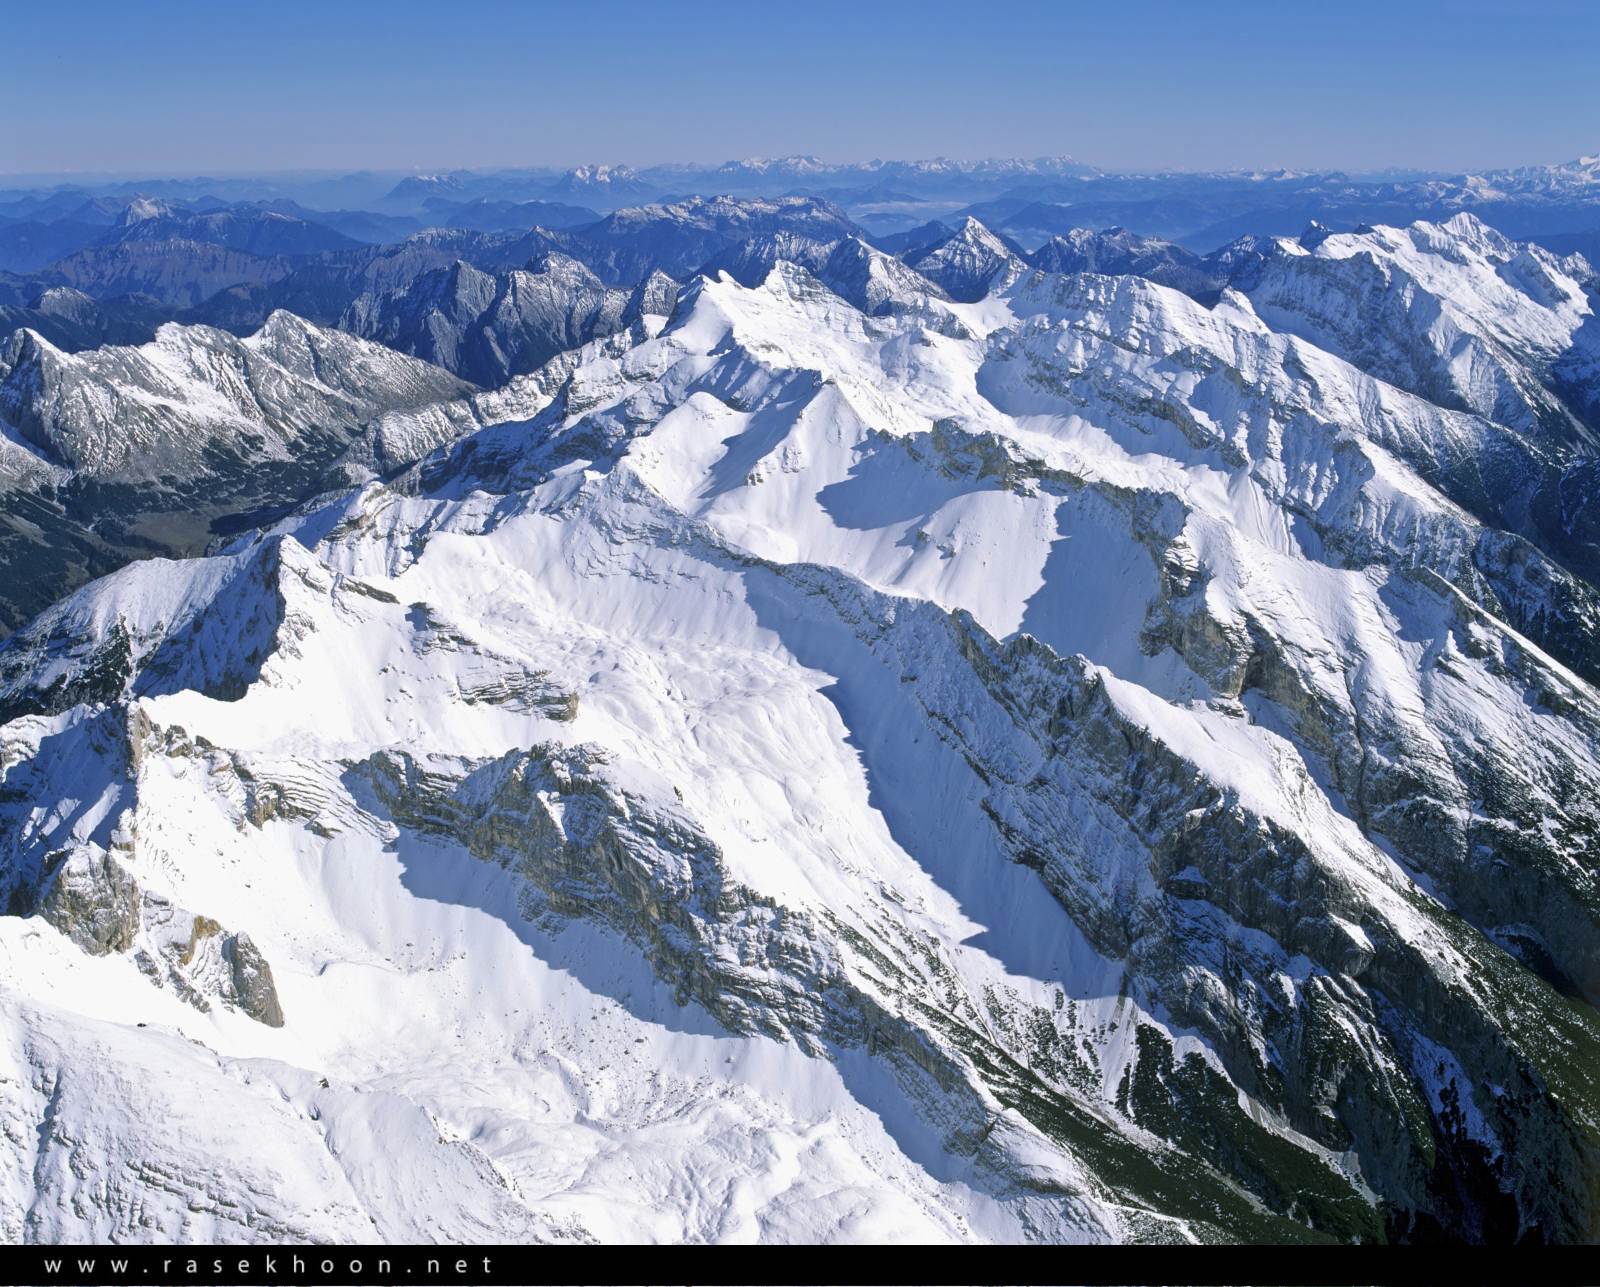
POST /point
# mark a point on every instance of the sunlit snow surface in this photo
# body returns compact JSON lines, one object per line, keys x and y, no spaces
{"x":739,"y":545}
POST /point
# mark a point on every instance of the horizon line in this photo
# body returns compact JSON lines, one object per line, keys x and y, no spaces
{"x":421,"y":171}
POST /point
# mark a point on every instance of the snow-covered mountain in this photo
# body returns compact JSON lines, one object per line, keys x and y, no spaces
{"x":1469,"y":319}
{"x":118,"y":453}
{"x":969,"y":262}
{"x":1040,"y":764}
{"x":607,"y":186}
{"x":872,"y":280}
{"x":1116,"y":252}
{"x":1564,"y":180}
{"x":1454,"y":311}
{"x":161,"y":410}
{"x":489,"y":327}
{"x":875,"y":282}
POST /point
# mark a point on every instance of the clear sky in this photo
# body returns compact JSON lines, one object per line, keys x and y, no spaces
{"x":170,"y":86}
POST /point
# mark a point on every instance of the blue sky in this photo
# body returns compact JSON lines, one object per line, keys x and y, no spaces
{"x":179,"y":87}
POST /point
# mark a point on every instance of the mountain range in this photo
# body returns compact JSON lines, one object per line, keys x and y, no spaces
{"x":123,"y":453}
{"x":719,"y":723}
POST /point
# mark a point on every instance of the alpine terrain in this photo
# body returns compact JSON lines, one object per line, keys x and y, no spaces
{"x":711,"y":725}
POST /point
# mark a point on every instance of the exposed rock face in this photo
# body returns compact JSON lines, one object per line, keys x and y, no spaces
{"x":79,"y":881}
{"x":253,"y":991}
{"x":205,"y":963}
{"x":655,"y":296}
{"x":876,"y":283}
{"x":550,"y":815}
{"x":487,"y":328}
{"x":93,"y":901}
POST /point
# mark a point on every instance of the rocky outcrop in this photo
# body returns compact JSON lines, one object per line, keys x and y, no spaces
{"x":251,"y":976}
{"x":91,"y":899}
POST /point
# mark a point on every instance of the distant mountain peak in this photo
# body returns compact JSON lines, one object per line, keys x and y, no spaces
{"x":601,"y":174}
{"x":1314,"y":235}
{"x":967,"y":263}
{"x":142,"y":208}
